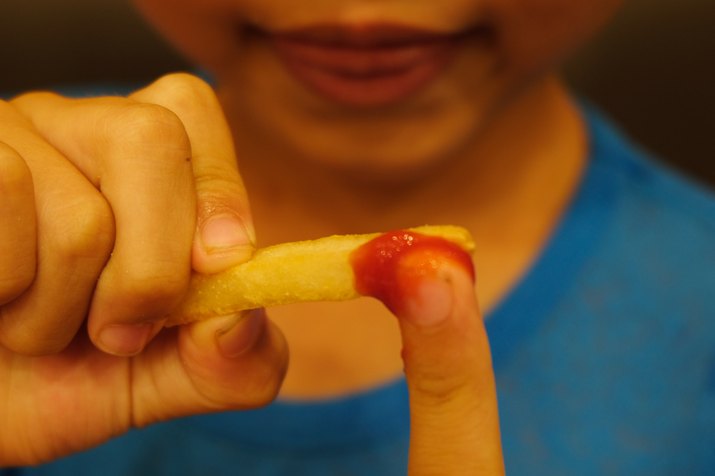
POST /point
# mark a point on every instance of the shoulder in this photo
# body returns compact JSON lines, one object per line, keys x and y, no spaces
{"x":606,"y":349}
{"x":657,"y":244}
{"x":651,"y":192}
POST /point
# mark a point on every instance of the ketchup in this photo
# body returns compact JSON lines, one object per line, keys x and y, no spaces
{"x":390,"y":266}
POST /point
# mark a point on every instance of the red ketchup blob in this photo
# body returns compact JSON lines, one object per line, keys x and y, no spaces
{"x":391,"y":266}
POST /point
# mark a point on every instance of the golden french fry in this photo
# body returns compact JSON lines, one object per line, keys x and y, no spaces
{"x":314,"y":270}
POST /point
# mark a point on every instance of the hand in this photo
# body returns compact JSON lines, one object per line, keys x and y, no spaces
{"x":106,"y":206}
{"x":453,"y":404}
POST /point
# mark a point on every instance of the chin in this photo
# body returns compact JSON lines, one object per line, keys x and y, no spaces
{"x":393,"y":162}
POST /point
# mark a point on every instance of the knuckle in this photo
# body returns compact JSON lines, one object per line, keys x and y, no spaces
{"x":28,"y":99}
{"x":439,"y":388}
{"x":14,"y":282}
{"x":145,"y":127}
{"x":184,"y":90}
{"x":85,"y":228}
{"x":14,"y":172}
{"x":21,"y":342}
{"x":35,"y":347}
{"x":30,"y":341}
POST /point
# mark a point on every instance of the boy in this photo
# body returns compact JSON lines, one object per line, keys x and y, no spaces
{"x":353,"y":116}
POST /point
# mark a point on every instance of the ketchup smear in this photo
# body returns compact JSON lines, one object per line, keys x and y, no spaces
{"x":391,"y":266}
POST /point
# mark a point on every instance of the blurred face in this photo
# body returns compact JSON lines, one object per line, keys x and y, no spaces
{"x":378,"y":87}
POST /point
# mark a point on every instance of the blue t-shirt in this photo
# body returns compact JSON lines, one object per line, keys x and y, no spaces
{"x":604,"y":355}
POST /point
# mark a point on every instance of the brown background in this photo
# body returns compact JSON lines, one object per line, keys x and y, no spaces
{"x":653,"y":69}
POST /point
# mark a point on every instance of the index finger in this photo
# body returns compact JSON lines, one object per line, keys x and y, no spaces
{"x":453,"y":403}
{"x":224,"y":231}
{"x":454,"y":427}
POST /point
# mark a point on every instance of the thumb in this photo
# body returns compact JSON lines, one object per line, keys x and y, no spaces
{"x":224,"y":363}
{"x":453,"y":405}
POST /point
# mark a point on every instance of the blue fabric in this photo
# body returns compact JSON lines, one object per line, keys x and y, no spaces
{"x":604,"y":354}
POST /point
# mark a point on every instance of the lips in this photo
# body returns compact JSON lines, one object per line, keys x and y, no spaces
{"x":365,"y":66}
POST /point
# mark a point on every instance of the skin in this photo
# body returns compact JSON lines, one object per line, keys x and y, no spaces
{"x":107,"y":205}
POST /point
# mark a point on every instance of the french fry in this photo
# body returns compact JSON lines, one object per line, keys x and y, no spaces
{"x":314,"y":270}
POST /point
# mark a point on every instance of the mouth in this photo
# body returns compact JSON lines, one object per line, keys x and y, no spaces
{"x":367,"y":65}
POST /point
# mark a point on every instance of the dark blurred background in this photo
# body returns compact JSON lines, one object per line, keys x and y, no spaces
{"x":652,"y":70}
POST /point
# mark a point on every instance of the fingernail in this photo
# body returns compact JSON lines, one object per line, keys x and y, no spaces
{"x":431,"y":302}
{"x":225,"y":232}
{"x":125,"y":340}
{"x":241,"y":334}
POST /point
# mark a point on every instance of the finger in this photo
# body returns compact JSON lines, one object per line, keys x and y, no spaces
{"x":138,"y":155}
{"x":232,"y":362}
{"x":74,"y":238}
{"x":18,"y":226}
{"x":224,"y":233}
{"x":453,"y":406}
